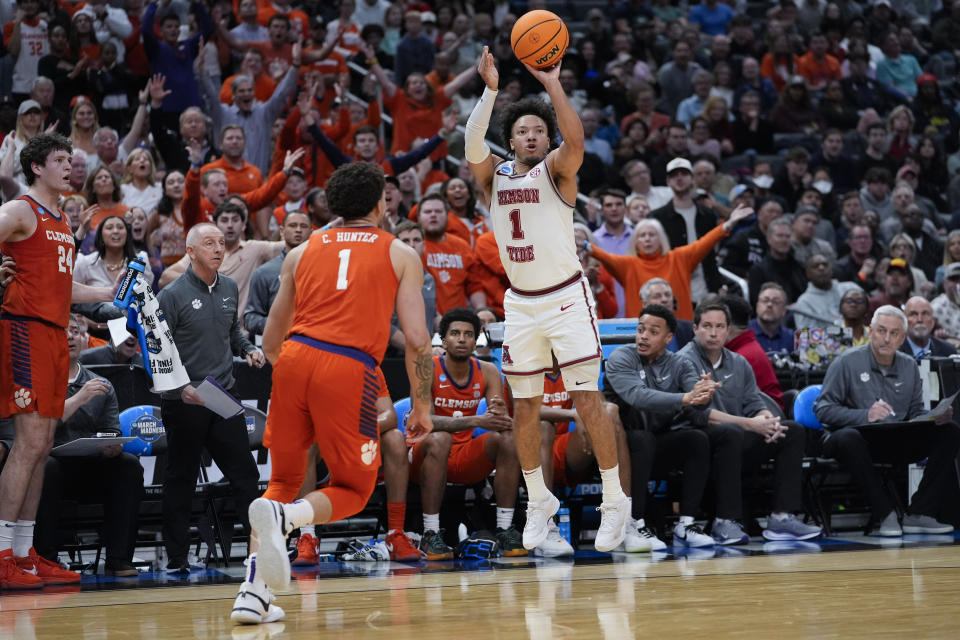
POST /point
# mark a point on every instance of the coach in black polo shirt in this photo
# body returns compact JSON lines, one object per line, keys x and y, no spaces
{"x":201,"y":310}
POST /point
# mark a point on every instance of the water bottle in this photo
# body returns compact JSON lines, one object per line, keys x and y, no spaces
{"x":125,"y":292}
{"x":564,"y":524}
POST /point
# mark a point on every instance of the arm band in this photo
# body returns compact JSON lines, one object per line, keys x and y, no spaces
{"x":475,"y":147}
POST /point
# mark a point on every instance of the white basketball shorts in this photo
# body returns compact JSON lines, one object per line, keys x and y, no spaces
{"x":556,"y":327}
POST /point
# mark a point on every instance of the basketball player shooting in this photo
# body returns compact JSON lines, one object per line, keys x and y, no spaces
{"x":550,"y":318}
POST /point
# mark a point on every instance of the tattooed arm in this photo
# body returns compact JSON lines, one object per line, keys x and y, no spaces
{"x":410,"y":313}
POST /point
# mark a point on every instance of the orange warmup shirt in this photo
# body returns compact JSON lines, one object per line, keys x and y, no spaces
{"x":452,"y":265}
{"x":420,"y":120}
{"x":246,"y":178}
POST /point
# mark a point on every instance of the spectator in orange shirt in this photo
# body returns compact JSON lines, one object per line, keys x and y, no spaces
{"x":462,"y":202}
{"x":779,"y":64}
{"x":490,"y":271}
{"x":202,"y":194}
{"x":816,"y":65}
{"x":251,"y":66}
{"x":103,"y":188}
{"x":417,"y":105}
{"x":241,"y":175}
{"x":652,"y":258}
{"x":299,"y":22}
{"x":344,"y":32}
{"x":449,"y":260}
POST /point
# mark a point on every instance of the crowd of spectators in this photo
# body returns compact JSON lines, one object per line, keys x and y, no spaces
{"x":837,"y":121}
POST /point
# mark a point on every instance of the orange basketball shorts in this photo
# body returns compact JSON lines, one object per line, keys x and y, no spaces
{"x":327,"y":394}
{"x":34,"y":367}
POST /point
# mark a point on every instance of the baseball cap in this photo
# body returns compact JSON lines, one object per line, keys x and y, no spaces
{"x":904,"y":170}
{"x":428,"y":16}
{"x":739,"y":190}
{"x":806,"y":209}
{"x":392,"y":180}
{"x":28,"y":105}
{"x":900,"y":263}
{"x":679,"y":163}
{"x":926,"y":77}
{"x":952,"y":270}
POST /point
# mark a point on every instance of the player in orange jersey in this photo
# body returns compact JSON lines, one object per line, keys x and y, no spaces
{"x":451,"y":452}
{"x":396,"y":470}
{"x":326,"y":333}
{"x":34,"y":357}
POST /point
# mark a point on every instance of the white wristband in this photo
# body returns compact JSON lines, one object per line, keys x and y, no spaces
{"x":475,"y":147}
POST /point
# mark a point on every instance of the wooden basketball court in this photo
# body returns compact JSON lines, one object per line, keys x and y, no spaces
{"x":820,"y":590}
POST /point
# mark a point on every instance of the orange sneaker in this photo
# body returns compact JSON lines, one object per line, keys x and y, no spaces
{"x":48,"y":571}
{"x":13,"y":577}
{"x":402,"y":549}
{"x":307,"y":551}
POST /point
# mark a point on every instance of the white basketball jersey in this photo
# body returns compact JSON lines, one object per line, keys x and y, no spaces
{"x":33,"y":46}
{"x":533,"y":225}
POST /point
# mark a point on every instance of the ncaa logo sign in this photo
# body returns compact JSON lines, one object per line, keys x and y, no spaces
{"x":147,"y":428}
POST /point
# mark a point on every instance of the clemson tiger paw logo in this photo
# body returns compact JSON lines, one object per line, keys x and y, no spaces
{"x":22,"y":398}
{"x":368,"y":452}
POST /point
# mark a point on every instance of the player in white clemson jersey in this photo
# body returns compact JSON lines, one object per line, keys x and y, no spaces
{"x":549,"y":308}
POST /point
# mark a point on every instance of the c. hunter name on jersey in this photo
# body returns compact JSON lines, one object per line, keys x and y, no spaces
{"x":353,"y":236}
{"x":445,"y":260}
{"x":451,"y":403}
{"x":518,"y":196}
{"x":521,"y":254}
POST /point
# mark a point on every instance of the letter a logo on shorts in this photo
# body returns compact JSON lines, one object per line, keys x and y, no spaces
{"x":368,"y":452}
{"x":506,"y":355}
{"x":22,"y":398}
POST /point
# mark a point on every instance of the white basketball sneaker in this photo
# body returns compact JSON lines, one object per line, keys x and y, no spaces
{"x":253,"y":605}
{"x":539,"y":515}
{"x":270,"y":524}
{"x":642,"y":539}
{"x":614,"y":517}
{"x":554,"y":545}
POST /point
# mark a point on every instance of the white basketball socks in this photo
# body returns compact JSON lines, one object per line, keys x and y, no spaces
{"x":431,"y":522}
{"x":536,"y":489}
{"x":298,"y":513}
{"x":504,"y":518}
{"x":23,"y":538}
{"x":612,"y":492}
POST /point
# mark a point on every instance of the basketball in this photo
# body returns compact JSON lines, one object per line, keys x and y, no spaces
{"x":539,"y":38}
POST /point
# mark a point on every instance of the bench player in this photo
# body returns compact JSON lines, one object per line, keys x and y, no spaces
{"x":327,"y":330}
{"x":451,"y":452}
{"x":550,"y":318}
{"x":34,"y":357}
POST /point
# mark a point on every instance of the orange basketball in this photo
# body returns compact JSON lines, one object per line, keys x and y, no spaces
{"x":539,"y":38}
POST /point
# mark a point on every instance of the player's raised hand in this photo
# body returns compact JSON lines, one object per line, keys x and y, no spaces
{"x":545,"y":76}
{"x":488,"y":69}
{"x":419,"y":426}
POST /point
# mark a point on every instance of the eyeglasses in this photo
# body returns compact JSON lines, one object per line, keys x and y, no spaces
{"x":774,"y":301}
